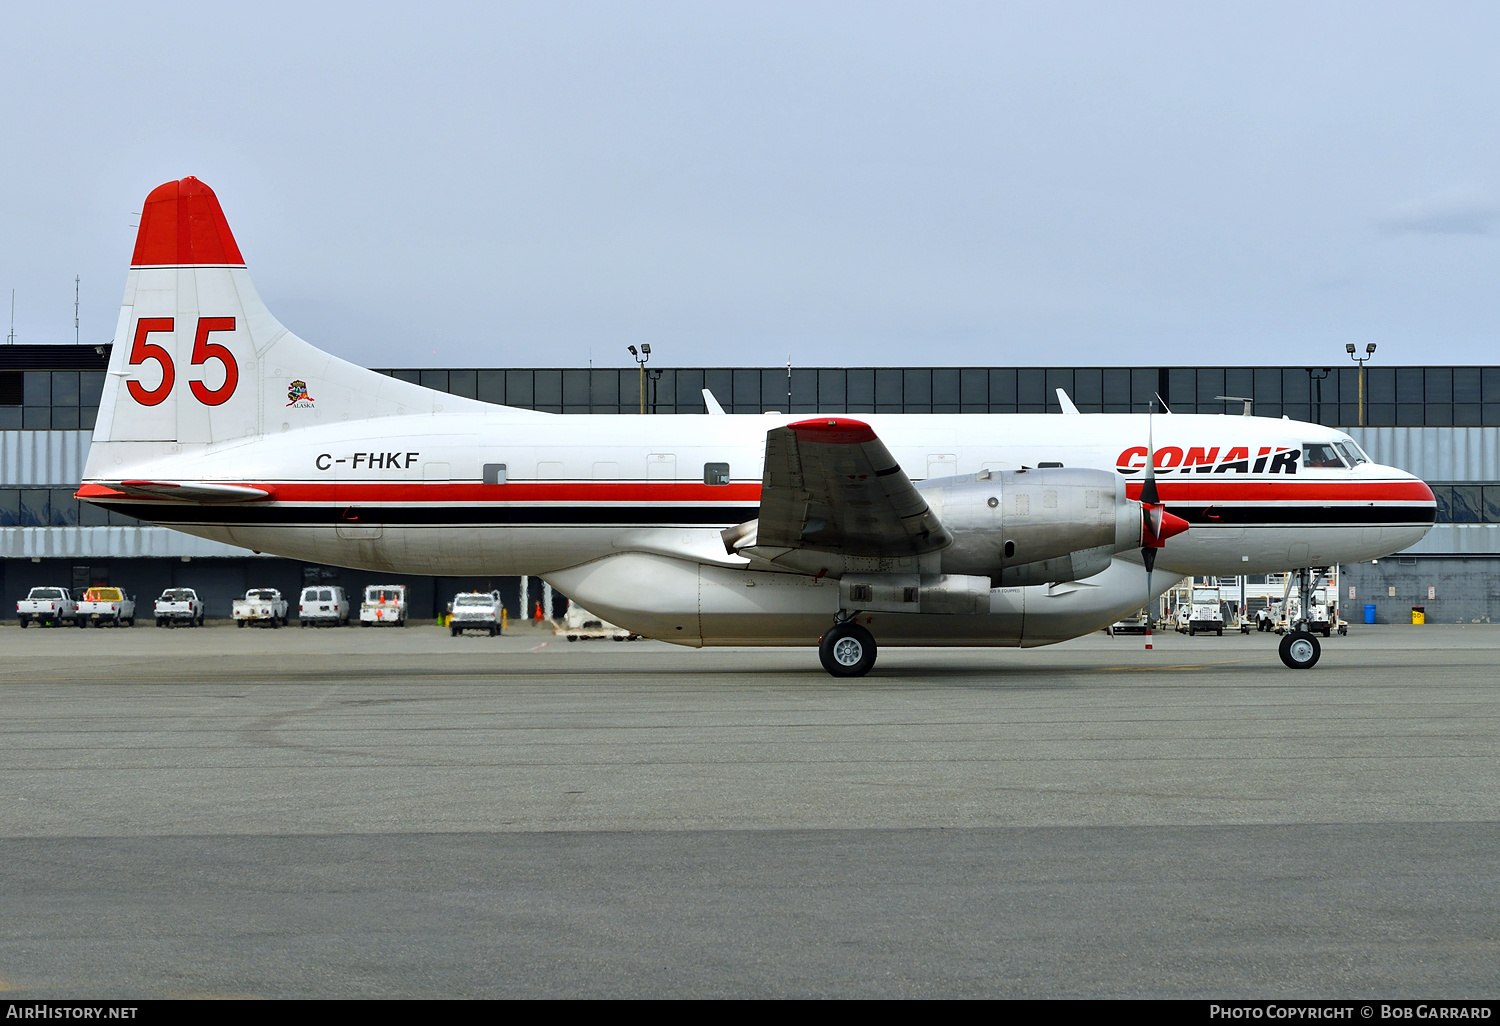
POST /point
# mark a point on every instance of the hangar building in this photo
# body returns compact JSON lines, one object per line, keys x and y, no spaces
{"x":1441,"y":423}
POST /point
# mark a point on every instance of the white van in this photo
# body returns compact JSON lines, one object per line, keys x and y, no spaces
{"x":325,"y":604}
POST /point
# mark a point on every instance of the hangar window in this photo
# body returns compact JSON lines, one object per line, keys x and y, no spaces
{"x":716,"y":473}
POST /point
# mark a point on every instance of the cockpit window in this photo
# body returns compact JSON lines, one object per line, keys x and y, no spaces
{"x":1320,"y":455}
{"x":1351,"y":453}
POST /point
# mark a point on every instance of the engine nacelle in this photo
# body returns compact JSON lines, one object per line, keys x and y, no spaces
{"x":1022,"y":527}
{"x":915,"y":593}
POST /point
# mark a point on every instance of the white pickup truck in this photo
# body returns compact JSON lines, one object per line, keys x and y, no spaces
{"x":100,"y":606}
{"x":49,"y":607}
{"x":261,"y":605}
{"x":179,"y":605}
{"x":384,"y":605}
{"x":476,"y":611}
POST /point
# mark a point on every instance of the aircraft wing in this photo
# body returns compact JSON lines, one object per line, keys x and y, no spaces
{"x":831,"y":485}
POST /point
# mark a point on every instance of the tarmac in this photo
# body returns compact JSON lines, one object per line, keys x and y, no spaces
{"x":400,"y":813}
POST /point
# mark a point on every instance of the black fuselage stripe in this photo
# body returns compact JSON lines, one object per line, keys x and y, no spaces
{"x":1293,"y":516}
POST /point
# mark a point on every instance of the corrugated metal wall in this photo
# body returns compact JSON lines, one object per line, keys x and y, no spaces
{"x":33,"y":458}
{"x":42,"y":457}
{"x":107,"y":543}
{"x":1459,"y":539}
{"x":1448,"y":454}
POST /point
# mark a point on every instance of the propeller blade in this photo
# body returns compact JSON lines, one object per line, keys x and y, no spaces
{"x":1148,"y":484}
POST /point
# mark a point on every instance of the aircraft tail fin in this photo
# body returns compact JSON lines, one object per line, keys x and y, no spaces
{"x":198,"y":360}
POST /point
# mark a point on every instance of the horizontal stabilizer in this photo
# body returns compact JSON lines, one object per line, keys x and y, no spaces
{"x":189,"y":491}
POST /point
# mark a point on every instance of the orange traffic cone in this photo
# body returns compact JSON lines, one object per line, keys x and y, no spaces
{"x":539,"y":615}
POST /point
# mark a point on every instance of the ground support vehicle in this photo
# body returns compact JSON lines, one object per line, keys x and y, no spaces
{"x":476,"y":611}
{"x":262,"y":606}
{"x":384,"y":606}
{"x":1319,"y":620}
{"x":101,"y":606}
{"x":581,"y":625}
{"x":179,"y":605}
{"x":1137,"y":624}
{"x":47,"y":607}
{"x":1206,"y":613}
{"x":323,"y":604}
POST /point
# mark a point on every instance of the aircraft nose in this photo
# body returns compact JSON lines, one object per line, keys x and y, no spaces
{"x":1407,"y":486}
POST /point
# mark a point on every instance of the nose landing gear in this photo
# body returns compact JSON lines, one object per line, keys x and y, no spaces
{"x":1299,"y":649}
{"x":847,"y":650}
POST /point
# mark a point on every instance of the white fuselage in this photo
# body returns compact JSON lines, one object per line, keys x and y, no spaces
{"x":615,"y":511}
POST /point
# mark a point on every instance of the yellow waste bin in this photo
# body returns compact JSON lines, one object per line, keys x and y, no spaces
{"x":1418,"y":614}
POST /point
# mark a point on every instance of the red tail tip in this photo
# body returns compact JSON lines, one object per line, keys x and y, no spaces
{"x":182,"y":224}
{"x":839,"y":430}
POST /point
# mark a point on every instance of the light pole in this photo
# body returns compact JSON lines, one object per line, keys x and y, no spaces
{"x":1361,"y":360}
{"x":1317,"y":379}
{"x":641,"y":358}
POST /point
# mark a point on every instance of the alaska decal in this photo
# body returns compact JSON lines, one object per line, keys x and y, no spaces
{"x":1233,"y":459}
{"x":297,"y":393}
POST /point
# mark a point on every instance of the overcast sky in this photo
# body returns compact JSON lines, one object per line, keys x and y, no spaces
{"x":543,"y":184}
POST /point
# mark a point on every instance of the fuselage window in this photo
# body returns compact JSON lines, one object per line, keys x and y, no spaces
{"x":716,"y":473}
{"x":494,"y":473}
{"x":1318,"y":455}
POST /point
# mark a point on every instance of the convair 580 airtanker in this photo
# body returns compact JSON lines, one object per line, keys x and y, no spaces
{"x":827,"y":531}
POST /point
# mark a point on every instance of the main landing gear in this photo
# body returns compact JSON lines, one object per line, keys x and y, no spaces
{"x":847,"y":650}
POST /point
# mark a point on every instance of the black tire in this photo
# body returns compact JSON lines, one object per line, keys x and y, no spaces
{"x":848,"y":650}
{"x":239,"y":623}
{"x":1192,"y":632}
{"x":1221,"y":632}
{"x":1327,"y":632}
{"x":1300,"y":650}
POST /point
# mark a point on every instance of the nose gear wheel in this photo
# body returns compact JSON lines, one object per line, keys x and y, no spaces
{"x":1300,"y":650}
